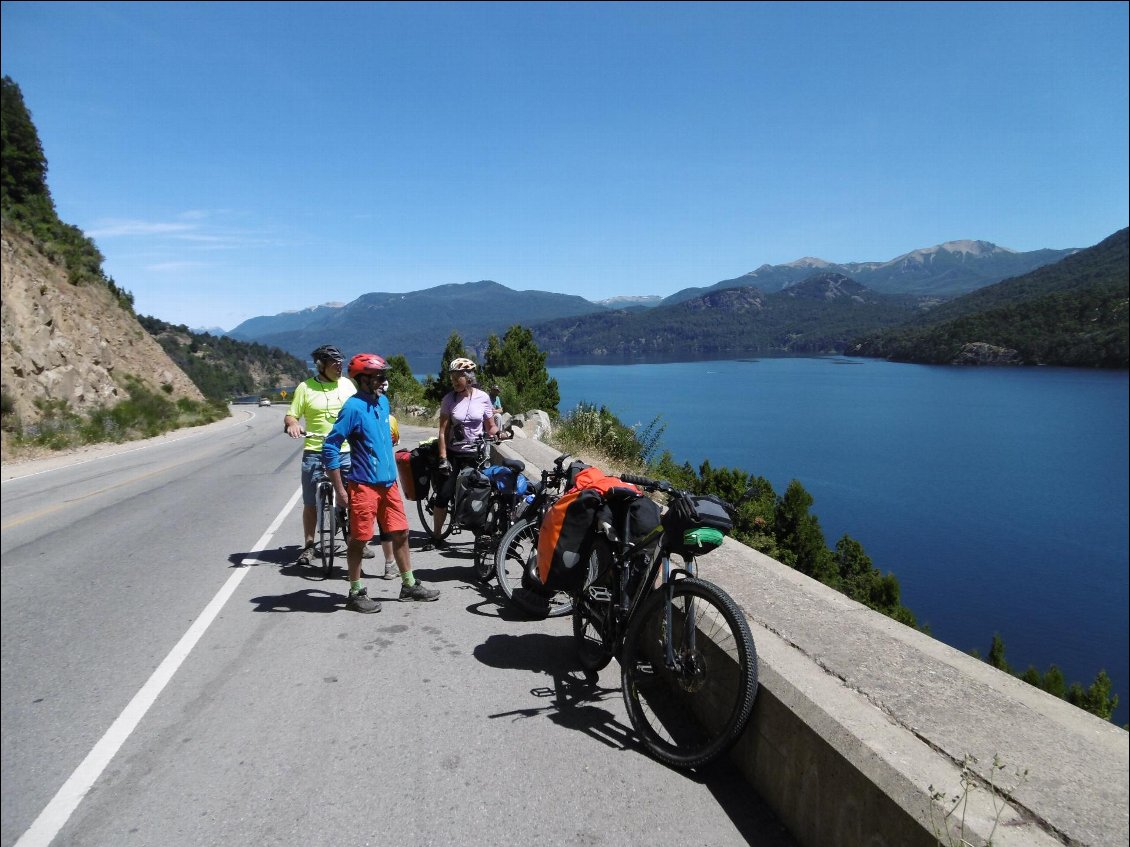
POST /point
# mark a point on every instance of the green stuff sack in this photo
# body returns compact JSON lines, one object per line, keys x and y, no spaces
{"x":701,"y":540}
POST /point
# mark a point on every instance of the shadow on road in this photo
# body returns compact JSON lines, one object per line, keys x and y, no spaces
{"x":306,"y":600}
{"x":572,"y":702}
{"x":278,"y":556}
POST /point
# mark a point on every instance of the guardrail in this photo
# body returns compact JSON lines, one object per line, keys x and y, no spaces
{"x":865,"y":730}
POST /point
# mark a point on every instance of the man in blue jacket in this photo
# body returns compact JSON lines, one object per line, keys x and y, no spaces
{"x":373,"y":491}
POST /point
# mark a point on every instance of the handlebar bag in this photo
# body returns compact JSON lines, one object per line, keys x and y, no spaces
{"x":472,"y":498}
{"x":688,"y":518}
{"x":565,"y":540}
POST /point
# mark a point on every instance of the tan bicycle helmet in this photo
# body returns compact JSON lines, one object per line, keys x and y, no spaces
{"x":461,"y":365}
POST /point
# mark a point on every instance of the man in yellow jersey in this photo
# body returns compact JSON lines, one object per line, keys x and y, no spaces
{"x":319,"y":400}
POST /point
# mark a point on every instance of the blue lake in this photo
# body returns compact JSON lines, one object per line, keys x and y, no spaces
{"x":998,"y":496}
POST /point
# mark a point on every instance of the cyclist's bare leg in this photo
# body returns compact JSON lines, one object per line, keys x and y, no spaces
{"x":353,"y":554}
{"x":438,"y":517}
{"x":309,"y":524}
{"x":400,"y":552}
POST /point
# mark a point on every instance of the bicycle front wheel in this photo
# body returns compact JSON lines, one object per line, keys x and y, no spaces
{"x":515,"y":550}
{"x":689,"y":703}
{"x":426,"y":509}
{"x":327,"y":534}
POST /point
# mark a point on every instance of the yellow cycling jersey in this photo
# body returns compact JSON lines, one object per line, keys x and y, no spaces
{"x":319,"y":403}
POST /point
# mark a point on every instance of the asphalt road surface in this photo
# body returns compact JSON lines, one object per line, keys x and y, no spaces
{"x":171,"y":678}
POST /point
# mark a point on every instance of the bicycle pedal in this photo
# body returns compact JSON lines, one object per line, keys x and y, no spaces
{"x":599,"y":594}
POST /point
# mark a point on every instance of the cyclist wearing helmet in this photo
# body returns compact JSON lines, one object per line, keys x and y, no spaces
{"x":373,"y":491}
{"x":318,"y":400}
{"x":464,"y":414}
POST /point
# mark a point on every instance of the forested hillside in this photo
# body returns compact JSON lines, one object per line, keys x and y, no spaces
{"x":1072,"y":313}
{"x":224,"y":367}
{"x":820,"y":315}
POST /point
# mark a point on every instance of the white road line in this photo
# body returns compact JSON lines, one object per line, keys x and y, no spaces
{"x":45,"y":827}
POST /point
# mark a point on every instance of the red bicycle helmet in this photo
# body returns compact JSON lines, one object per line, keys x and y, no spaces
{"x":366,"y":363}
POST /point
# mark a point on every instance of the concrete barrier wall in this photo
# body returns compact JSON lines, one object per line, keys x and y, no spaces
{"x":859,"y":720}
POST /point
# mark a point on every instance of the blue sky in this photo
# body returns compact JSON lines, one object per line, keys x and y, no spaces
{"x":233,"y":160}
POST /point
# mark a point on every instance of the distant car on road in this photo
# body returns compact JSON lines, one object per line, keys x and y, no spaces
{"x":264,"y":401}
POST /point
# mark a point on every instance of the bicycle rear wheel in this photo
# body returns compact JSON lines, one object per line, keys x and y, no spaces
{"x":592,"y":622}
{"x":514,"y":552}
{"x":486,"y":542}
{"x":426,"y":509}
{"x":689,"y":714}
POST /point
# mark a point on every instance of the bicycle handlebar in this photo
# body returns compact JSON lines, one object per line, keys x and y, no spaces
{"x":648,"y":483}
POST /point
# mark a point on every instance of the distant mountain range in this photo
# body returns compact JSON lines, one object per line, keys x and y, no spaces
{"x":414,"y":324}
{"x":805,"y":306}
{"x":1073,"y":312}
{"x":947,"y":270}
{"x":820,"y":314}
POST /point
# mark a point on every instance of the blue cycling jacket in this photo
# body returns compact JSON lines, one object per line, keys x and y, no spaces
{"x":364,"y":422}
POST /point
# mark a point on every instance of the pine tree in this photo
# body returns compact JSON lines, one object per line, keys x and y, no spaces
{"x":517,"y":365}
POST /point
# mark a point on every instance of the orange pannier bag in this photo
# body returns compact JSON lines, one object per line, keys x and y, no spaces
{"x":565,"y":539}
{"x":566,"y":535}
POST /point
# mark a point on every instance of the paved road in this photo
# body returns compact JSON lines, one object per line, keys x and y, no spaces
{"x":170,"y":678}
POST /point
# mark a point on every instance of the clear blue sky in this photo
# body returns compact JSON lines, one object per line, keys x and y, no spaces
{"x":234,"y":160}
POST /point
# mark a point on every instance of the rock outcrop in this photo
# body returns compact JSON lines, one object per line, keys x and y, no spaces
{"x":980,"y":353}
{"x":71,"y":343}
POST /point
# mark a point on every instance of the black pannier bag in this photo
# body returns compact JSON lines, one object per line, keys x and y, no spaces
{"x":626,"y":507}
{"x":472,"y":499}
{"x":688,"y":523}
{"x":422,"y":460}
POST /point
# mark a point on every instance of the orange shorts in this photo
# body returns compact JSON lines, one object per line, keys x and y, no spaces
{"x":374,"y":505}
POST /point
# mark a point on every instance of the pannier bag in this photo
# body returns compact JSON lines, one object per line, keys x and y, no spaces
{"x":472,"y":498}
{"x":696,"y":524}
{"x":565,"y":540}
{"x":404,"y":472}
{"x":422,"y":460}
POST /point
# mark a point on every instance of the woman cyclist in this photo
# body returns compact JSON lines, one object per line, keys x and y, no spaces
{"x":465,"y":415}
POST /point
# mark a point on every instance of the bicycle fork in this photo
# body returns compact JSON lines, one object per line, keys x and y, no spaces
{"x":687,"y":651}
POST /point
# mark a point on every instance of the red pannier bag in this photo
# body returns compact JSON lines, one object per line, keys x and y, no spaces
{"x":407,"y":478}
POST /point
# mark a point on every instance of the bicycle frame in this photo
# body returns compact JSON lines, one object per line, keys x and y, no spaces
{"x":629,"y":599}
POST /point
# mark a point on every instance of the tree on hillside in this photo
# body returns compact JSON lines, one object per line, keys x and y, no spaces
{"x":517,"y":365}
{"x":24,"y":166}
{"x":799,"y":536}
{"x":403,"y":387}
{"x":25,"y":199}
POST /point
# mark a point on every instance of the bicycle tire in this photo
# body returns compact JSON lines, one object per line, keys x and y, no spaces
{"x":510,"y":559}
{"x":591,"y":625}
{"x":688,"y":716}
{"x":327,"y":531}
{"x":425,"y":507}
{"x":486,"y":542}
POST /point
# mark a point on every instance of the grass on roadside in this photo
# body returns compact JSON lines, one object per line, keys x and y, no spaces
{"x":143,"y":414}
